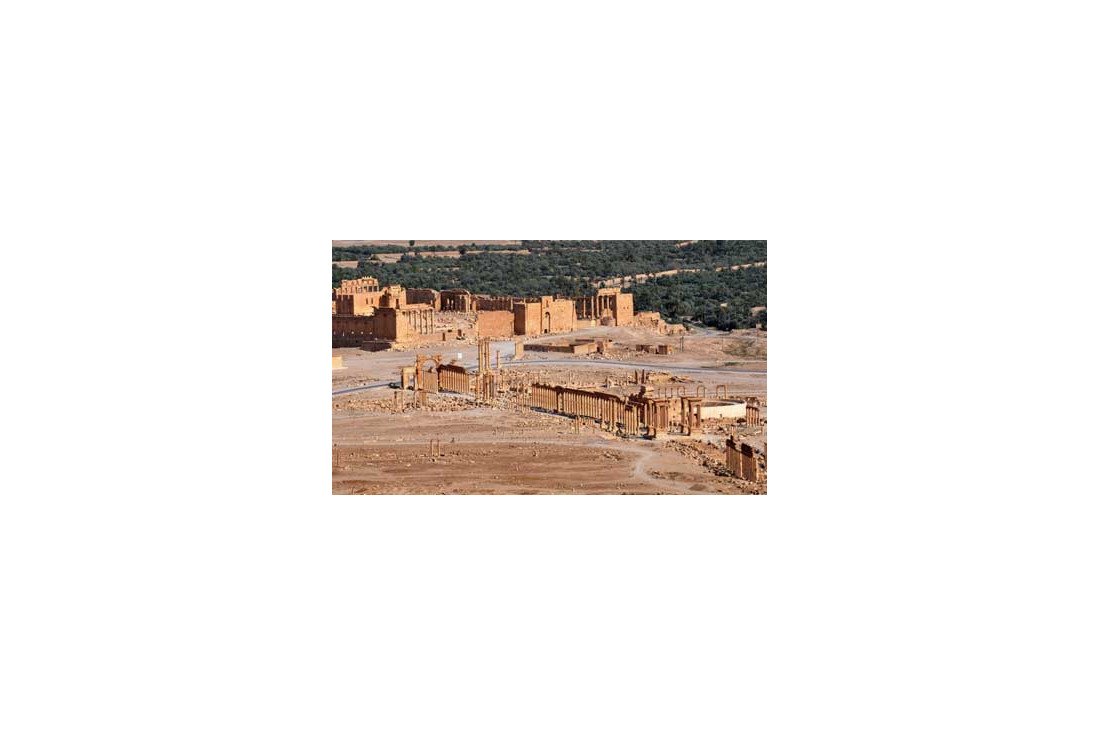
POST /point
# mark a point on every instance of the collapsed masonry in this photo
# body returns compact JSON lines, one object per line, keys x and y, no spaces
{"x":653,"y":320}
{"x":654,"y":349}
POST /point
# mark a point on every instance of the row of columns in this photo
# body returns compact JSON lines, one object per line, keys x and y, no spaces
{"x":420,"y":321}
{"x":486,"y":384}
{"x":741,"y":460}
{"x":676,"y":391}
{"x":631,"y":420}
{"x":634,"y":415}
{"x":589,"y":404}
{"x":454,"y":378}
{"x":431,"y":382}
{"x":652,"y":413}
{"x":593,"y":307}
{"x":457,"y":302}
{"x":358,"y":285}
{"x":609,"y":410}
{"x":691,"y":416}
{"x":483,"y":354}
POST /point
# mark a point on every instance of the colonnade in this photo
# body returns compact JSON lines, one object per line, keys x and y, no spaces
{"x":454,"y":378}
{"x":431,"y":382}
{"x":485,"y":387}
{"x":632,"y":423}
{"x":593,"y":307}
{"x":420,"y":321}
{"x":741,"y":460}
{"x":690,"y":414}
{"x":606,"y":408}
{"x":655,"y":413}
{"x":637,"y":414}
{"x":457,"y":300}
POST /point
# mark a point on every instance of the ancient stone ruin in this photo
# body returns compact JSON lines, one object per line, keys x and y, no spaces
{"x":374,"y":317}
{"x":743,"y":462}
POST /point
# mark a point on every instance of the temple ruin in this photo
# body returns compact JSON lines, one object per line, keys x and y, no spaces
{"x":609,"y":307}
{"x":375,"y":317}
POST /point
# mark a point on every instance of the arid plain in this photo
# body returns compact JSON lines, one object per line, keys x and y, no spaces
{"x":504,"y":449}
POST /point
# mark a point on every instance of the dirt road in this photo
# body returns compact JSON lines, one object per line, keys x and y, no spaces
{"x":643,"y":277}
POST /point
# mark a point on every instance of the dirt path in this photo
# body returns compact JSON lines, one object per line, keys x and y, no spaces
{"x":488,"y":452}
{"x":643,"y":277}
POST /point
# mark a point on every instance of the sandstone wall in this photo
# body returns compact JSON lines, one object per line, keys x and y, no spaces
{"x":423,"y":296}
{"x":495,"y":324}
{"x":357,"y":304}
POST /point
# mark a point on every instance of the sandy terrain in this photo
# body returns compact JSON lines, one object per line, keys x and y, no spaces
{"x":488,"y":450}
{"x":500,"y":450}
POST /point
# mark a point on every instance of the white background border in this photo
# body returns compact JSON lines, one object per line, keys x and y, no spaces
{"x":174,"y":561}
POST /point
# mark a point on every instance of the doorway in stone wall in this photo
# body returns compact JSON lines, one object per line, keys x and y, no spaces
{"x":546,"y":323}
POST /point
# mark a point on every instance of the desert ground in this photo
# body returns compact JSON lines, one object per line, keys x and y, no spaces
{"x":501,"y":450}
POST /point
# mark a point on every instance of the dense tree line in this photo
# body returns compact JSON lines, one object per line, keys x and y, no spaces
{"x":723,"y":300}
{"x":565,"y":267}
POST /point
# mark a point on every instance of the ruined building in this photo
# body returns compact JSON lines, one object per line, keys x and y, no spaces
{"x":369,"y":315}
{"x":362,"y":300}
{"x":384,"y":327}
{"x":545,"y":315}
{"x":493,"y":303}
{"x":358,"y":285}
{"x":609,"y":307}
{"x":653,"y":320}
{"x":424,"y":296}
{"x":456,"y":299}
